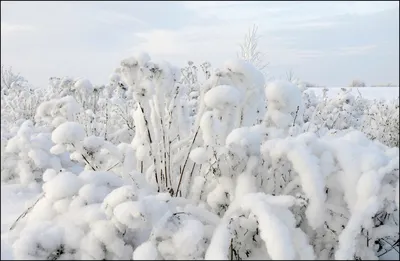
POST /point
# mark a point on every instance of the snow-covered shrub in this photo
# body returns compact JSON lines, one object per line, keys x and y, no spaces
{"x":259,"y":226}
{"x":378,"y":119}
{"x":102,"y":110}
{"x":70,"y":221}
{"x":381,"y":122}
{"x":57,"y":111}
{"x":94,"y":152}
{"x":27,"y":155}
{"x":159,"y":224}
{"x":190,"y":78}
{"x":341,"y":112}
{"x":19,"y":102}
{"x":260,"y":171}
{"x":285,"y":105}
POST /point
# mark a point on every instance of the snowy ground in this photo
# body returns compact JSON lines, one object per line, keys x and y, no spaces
{"x":14,"y":199}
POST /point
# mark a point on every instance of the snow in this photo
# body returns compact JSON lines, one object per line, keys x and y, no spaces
{"x":14,"y":200}
{"x":248,"y":70}
{"x":57,"y":149}
{"x":146,"y":251}
{"x":283,"y":96}
{"x":247,"y":137}
{"x":65,"y":184}
{"x":83,"y":84}
{"x":49,"y":174}
{"x":222,"y":96}
{"x":68,"y":132}
{"x":199,"y":155}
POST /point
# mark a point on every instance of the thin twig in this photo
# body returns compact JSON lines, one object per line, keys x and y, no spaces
{"x":191,"y":177}
{"x":26,"y":212}
{"x":186,"y":160}
{"x":150,"y":146}
{"x":113,"y":166}
{"x":391,"y":245}
{"x":83,"y":156}
{"x":231,"y":248}
{"x":297,"y":111}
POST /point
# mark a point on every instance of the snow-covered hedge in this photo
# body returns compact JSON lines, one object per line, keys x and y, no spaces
{"x":257,"y":171}
{"x":379,"y":119}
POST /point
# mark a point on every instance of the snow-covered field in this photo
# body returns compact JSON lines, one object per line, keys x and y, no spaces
{"x":231,"y":167}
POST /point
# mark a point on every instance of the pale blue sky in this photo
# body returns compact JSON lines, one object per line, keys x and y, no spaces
{"x":328,"y":43}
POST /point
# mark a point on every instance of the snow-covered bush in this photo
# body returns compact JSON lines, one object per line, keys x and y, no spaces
{"x":190,"y":78}
{"x":378,"y":119}
{"x":12,"y":109}
{"x":381,"y":122}
{"x":260,"y":171}
{"x":27,"y":155}
{"x":70,"y":222}
{"x":341,"y":112}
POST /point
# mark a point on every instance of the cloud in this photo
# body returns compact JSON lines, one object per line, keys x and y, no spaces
{"x":289,"y":36}
{"x":356,"y":50}
{"x":117,"y":18}
{"x":9,"y":29}
{"x":314,"y":39}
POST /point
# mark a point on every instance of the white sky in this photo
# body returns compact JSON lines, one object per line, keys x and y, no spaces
{"x":327,"y":43}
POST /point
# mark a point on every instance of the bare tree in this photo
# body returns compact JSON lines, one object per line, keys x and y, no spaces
{"x":249,"y":49}
{"x":9,"y":79}
{"x":357,"y":83}
{"x":290,"y":75}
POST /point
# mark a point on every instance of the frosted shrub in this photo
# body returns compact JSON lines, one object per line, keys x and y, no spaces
{"x":57,"y":111}
{"x":285,"y":105}
{"x":27,"y":155}
{"x":161,"y":116}
{"x":94,"y":152}
{"x":12,"y":109}
{"x":160,"y":223}
{"x":190,"y":78}
{"x":381,"y":122}
{"x":259,"y":226}
{"x":260,"y":171}
{"x":120,"y":126}
{"x":342,"y":112}
{"x":377,"y":119}
{"x":71,"y":221}
{"x":102,"y":110}
{"x":339,"y":180}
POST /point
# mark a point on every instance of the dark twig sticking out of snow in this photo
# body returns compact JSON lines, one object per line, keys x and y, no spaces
{"x":231,"y":248}
{"x":26,"y":212}
{"x":110,"y":168}
{"x":186,"y":160}
{"x":150,"y":145}
{"x":392,"y":246}
{"x":295,"y":117}
{"x":84,"y":158}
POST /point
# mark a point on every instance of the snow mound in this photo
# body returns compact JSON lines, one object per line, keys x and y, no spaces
{"x":283,"y":96}
{"x":68,"y":132}
{"x":222,"y":96}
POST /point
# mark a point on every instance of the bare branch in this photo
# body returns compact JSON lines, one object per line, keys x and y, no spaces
{"x":249,"y":49}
